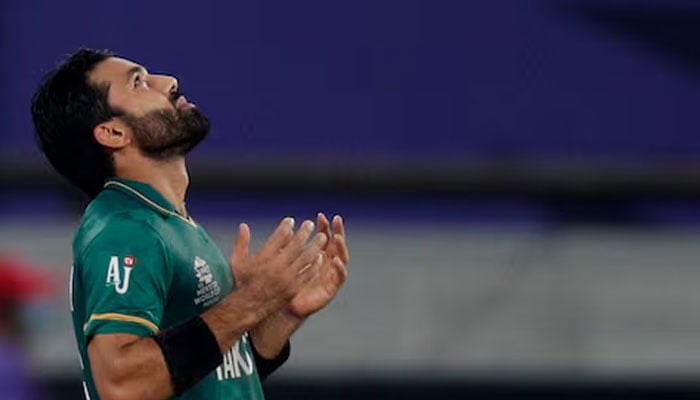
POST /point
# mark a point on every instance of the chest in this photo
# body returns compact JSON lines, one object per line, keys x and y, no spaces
{"x":201,"y":276}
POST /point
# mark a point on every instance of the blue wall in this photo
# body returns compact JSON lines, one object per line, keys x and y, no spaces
{"x":405,"y":79}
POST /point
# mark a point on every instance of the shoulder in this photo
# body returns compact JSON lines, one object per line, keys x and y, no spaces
{"x":114,"y":219}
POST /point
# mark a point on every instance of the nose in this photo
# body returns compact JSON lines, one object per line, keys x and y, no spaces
{"x":173,"y":84}
{"x":165,"y":83}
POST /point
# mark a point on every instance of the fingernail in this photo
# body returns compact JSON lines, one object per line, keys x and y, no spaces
{"x":322,"y":238}
{"x":308,"y":224}
{"x":290,"y":221}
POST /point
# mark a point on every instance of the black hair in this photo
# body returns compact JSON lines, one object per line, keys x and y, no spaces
{"x":66,"y":108}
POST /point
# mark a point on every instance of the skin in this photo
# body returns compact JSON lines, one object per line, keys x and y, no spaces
{"x":296,"y":272}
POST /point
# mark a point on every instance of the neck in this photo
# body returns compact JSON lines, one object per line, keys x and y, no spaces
{"x":169,"y":178}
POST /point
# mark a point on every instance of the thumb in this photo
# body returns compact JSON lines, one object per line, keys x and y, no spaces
{"x":240,"y":246}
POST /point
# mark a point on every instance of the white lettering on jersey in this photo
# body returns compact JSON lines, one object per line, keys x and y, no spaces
{"x":208,"y":289}
{"x":113,"y":275}
{"x":113,"y":271}
{"x":234,"y":362}
{"x":246,"y":364}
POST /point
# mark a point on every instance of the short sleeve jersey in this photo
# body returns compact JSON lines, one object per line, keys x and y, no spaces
{"x":140,"y":267}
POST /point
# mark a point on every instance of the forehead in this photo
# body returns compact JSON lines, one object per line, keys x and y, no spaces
{"x":113,"y":69}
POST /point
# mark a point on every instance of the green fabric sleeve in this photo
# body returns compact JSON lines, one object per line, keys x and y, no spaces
{"x":125,"y":274}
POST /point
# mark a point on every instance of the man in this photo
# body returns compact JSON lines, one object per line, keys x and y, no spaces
{"x":157,"y":309}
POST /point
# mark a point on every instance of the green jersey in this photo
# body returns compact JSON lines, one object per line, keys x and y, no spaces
{"x":139,"y":267}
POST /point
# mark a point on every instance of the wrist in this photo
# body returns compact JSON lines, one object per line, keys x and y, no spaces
{"x":266,"y":366}
{"x":259,"y":300}
{"x":186,"y":364}
{"x":270,"y":335}
{"x":238,"y":313}
{"x":290,"y":318}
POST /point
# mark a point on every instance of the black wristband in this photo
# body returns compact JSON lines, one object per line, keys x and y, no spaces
{"x":190,"y":351}
{"x":266,"y":366}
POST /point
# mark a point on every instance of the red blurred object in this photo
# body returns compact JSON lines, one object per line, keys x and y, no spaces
{"x":21,"y":281}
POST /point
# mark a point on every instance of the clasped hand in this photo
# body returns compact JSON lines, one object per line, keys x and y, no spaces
{"x":292,"y":272}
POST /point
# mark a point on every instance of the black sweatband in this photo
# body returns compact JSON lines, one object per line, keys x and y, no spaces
{"x":190,"y":351}
{"x":266,"y":366}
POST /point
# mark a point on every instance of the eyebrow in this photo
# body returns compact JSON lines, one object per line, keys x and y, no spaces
{"x":135,"y":70}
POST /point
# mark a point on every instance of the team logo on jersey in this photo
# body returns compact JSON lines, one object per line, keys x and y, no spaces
{"x":115,"y":277}
{"x":208,"y":288}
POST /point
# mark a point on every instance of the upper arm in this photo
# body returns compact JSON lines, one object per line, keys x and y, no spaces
{"x":125,"y":277}
{"x":126,"y":366}
{"x":104,"y":351}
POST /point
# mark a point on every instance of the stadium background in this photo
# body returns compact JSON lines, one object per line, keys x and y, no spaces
{"x":520,"y":181}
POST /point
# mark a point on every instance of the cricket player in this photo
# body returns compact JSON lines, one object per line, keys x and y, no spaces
{"x":158,"y":311}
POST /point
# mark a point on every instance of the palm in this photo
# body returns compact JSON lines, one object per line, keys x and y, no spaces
{"x":331,"y":275}
{"x":318,"y":293}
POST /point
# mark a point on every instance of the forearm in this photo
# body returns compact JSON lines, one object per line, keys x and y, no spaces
{"x":236,"y":314}
{"x":270,"y":341}
{"x":128,"y":367}
{"x":271,"y":335}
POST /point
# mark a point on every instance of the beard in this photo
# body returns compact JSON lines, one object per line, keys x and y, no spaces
{"x":168,"y":133}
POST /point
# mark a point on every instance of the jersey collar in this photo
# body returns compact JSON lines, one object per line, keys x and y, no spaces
{"x":147,"y":194}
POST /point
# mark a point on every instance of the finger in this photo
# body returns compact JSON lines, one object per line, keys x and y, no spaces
{"x":311,"y":251}
{"x":338,"y":225}
{"x":311,"y":270}
{"x":341,"y":248}
{"x":241,"y":245}
{"x":323,"y":225}
{"x":295,"y":246}
{"x":312,"y":265}
{"x":280,"y":237}
{"x":341,"y":271}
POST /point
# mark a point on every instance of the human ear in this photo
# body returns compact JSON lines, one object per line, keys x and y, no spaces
{"x":112,"y":134}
